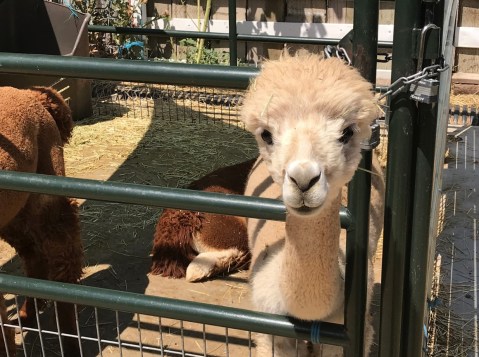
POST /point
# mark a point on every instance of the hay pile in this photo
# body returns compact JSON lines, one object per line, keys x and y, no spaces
{"x":470,"y":100}
{"x":182,"y":142}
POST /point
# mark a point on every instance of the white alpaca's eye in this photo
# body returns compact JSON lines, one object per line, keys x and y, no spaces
{"x":347,"y":135}
{"x":267,"y":137}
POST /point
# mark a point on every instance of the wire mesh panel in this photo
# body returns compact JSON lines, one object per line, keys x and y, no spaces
{"x":454,"y":305}
{"x":105,"y":332}
{"x":168,"y":101}
{"x":129,"y":324}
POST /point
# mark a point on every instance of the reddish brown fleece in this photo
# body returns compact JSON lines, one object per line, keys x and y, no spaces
{"x":44,"y":230}
{"x":172,"y":245}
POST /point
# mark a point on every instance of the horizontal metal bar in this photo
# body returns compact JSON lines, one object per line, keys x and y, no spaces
{"x":144,"y":195}
{"x":221,"y":36}
{"x":130,"y":70}
{"x":127,"y":70}
{"x":175,"y":309}
{"x":158,"y":32}
{"x":151,"y":196}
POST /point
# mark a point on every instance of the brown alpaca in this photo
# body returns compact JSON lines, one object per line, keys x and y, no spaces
{"x":43,"y":229}
{"x":199,"y":245}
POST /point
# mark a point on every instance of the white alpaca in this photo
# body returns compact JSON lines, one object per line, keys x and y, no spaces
{"x":309,"y":117}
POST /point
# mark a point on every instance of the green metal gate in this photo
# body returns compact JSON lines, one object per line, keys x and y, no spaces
{"x":410,"y":172}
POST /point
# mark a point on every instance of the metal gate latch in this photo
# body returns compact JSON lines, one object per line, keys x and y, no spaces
{"x":425,"y":91}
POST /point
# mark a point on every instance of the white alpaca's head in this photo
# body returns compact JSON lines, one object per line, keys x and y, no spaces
{"x":309,"y":117}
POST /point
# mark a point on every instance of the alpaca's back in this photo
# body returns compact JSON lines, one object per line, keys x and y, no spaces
{"x":30,"y":139}
{"x":34,"y":125}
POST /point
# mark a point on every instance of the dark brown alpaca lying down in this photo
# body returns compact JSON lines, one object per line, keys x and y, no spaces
{"x":200,"y":245}
{"x":43,"y":229}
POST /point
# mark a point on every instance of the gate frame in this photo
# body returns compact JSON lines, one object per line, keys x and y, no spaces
{"x":409,"y":168}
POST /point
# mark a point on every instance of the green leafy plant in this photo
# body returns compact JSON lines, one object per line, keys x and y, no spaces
{"x":208,"y":54}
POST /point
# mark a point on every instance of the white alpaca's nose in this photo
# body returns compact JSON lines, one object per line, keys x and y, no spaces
{"x":304,"y":174}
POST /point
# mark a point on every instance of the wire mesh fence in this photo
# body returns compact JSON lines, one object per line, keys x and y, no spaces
{"x":111,"y":323}
{"x":167,"y":101}
{"x":114,"y":333}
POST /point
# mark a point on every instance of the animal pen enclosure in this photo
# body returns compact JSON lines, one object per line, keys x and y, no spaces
{"x":124,"y":323}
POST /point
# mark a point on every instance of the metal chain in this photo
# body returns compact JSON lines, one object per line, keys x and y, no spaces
{"x":337,"y":51}
{"x":403,"y":82}
{"x":396,"y":87}
{"x":387,"y":57}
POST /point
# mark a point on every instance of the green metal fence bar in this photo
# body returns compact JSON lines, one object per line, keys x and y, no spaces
{"x":357,"y":258}
{"x":128,"y":70}
{"x":233,"y":33}
{"x":175,"y":309}
{"x":150,"y":195}
{"x":221,"y":36}
{"x":365,"y":39}
{"x":400,"y":184}
{"x":143,"y":194}
{"x":417,"y":284}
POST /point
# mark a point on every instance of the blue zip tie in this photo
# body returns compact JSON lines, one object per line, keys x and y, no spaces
{"x":432,"y":304}
{"x":129,"y":45}
{"x":315,"y":332}
{"x":72,"y":10}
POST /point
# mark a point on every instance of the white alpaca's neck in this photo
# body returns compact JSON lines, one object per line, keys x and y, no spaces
{"x":310,"y":274}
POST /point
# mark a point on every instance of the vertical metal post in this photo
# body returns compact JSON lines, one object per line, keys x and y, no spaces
{"x":365,"y":39}
{"x":449,"y":24}
{"x":233,"y":39}
{"x":417,"y":284}
{"x":400,"y":183}
{"x":415,"y":287}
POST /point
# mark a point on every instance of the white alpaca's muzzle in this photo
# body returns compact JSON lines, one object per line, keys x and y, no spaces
{"x":305,"y":187}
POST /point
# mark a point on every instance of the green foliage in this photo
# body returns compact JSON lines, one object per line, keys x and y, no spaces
{"x":120,"y":13}
{"x":208,"y":55}
{"x":114,"y":13}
